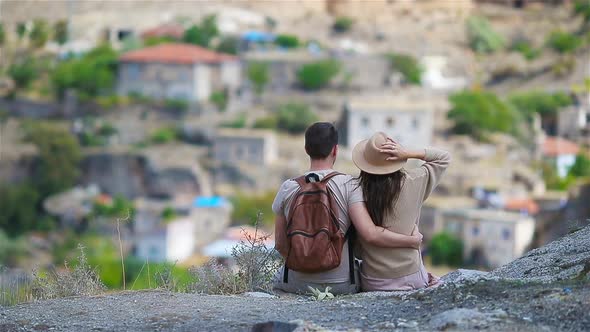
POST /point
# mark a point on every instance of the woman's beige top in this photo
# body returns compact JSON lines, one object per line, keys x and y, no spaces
{"x":387,"y":263}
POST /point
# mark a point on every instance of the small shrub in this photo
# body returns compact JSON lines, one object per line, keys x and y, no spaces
{"x":39,"y":33}
{"x":237,"y":123}
{"x":408,"y":66}
{"x":258,"y":74}
{"x":287,"y":41}
{"x":2,"y":34}
{"x":81,"y":280}
{"x":294,"y":118}
{"x":168,"y":213}
{"x":445,"y":249}
{"x":564,"y":42}
{"x":342,"y":24}
{"x":23,"y":73}
{"x":176,"y":105}
{"x":581,"y":167}
{"x":268,"y":122}
{"x":256,"y":266}
{"x":60,"y":32}
{"x":482,"y":37}
{"x":107,"y":129}
{"x":317,"y":75}
{"x":545,"y":104}
{"x":164,"y":135}
{"x":220,"y":100}
{"x":526,"y":49}
{"x":203,"y":33}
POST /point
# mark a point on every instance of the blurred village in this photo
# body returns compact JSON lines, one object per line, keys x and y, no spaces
{"x":178,"y":121}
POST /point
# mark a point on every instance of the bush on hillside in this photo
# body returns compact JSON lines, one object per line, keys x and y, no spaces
{"x":228,"y":45}
{"x":294,"y":118}
{"x":203,"y":33}
{"x":287,"y":41}
{"x":408,"y":66}
{"x":164,"y":135}
{"x":527,"y":50}
{"x":220,"y":100}
{"x":582,"y":8}
{"x":478,"y":113}
{"x":445,"y":249}
{"x":39,"y":33}
{"x":482,"y":37}
{"x":581,"y":167}
{"x":237,"y":123}
{"x":258,"y":74}
{"x":247,"y":208}
{"x":91,"y":75}
{"x":564,"y":42}
{"x":60,"y":32}
{"x":317,"y":75}
{"x":543,"y":103}
{"x":23,"y":73}
{"x":267,"y":122}
{"x":2,"y":34}
{"x":342,"y":24}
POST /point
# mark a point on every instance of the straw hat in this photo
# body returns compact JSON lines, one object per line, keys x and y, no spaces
{"x":367,"y":157}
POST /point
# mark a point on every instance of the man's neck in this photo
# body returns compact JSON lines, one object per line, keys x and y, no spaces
{"x":319,"y":165}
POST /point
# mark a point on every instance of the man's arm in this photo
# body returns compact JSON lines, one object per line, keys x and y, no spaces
{"x":281,"y":235}
{"x":380,"y":236}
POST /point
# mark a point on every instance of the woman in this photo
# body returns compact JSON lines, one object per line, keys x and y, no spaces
{"x":394,"y":197}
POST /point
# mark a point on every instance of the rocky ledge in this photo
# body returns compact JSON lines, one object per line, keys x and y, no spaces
{"x":548,"y":289}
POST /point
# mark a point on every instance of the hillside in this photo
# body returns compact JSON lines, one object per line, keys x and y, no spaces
{"x":512,"y":298}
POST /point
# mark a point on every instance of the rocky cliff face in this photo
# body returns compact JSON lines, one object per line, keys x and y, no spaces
{"x":546,"y":290}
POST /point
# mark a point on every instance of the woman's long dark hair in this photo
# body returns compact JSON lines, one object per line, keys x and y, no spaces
{"x":381,"y":193}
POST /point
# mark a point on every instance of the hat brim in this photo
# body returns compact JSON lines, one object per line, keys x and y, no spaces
{"x":358,"y":157}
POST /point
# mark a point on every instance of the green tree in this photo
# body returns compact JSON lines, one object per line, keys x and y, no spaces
{"x":479,"y":113}
{"x":482,"y":37}
{"x":18,"y":208}
{"x":294,"y":118}
{"x":408,"y":66}
{"x":287,"y":41}
{"x":581,"y":167}
{"x":23,"y":73}
{"x":60,"y":32}
{"x":316,"y":75}
{"x":228,"y":45}
{"x":563,"y":42}
{"x":219,"y":99}
{"x":258,"y":74}
{"x":203,"y":33}
{"x":545,"y":104}
{"x":90,"y":76}
{"x":582,"y":8}
{"x":446,"y":249}
{"x":21,"y":30}
{"x":59,"y":157}
{"x":39,"y":33}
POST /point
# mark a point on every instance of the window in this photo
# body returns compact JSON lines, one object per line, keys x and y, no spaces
{"x":133,"y":71}
{"x":475,"y":230}
{"x":239,"y":152}
{"x":506,"y":234}
{"x":415,"y":123}
{"x":390,"y":122}
{"x":365,"y":122}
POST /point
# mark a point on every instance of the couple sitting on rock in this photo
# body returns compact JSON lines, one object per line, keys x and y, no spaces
{"x":320,"y":214}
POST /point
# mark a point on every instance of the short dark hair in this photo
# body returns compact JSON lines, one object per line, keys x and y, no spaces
{"x":320,"y":139}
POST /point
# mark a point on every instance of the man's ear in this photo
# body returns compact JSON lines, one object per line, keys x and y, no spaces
{"x":335,"y":151}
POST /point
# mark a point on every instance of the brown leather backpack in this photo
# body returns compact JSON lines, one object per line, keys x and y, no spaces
{"x":314,"y":238}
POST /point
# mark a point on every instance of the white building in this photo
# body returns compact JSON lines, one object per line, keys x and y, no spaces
{"x":181,"y":237}
{"x":178,"y":71}
{"x":407,"y":118}
{"x":256,"y":147}
{"x":561,"y":153}
{"x":490,"y":237}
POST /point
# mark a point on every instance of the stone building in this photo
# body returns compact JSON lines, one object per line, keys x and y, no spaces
{"x":178,"y":71}
{"x":407,"y":118}
{"x":256,"y":147}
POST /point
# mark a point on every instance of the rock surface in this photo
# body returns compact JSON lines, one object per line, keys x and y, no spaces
{"x":563,"y":259}
{"x":508,"y":299}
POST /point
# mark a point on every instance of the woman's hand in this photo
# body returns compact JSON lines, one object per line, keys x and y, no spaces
{"x":395,"y":151}
{"x":417,"y":238}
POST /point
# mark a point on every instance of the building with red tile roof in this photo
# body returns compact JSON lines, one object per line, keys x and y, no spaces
{"x":561,"y":152}
{"x":523,"y":205}
{"x":178,"y":71}
{"x":171,"y":30}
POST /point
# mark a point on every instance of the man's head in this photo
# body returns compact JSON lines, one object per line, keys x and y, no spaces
{"x":321,"y":141}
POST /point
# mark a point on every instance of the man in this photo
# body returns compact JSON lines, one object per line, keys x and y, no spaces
{"x":321,"y":145}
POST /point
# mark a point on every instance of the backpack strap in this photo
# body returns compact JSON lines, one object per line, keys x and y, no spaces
{"x":329,"y":176}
